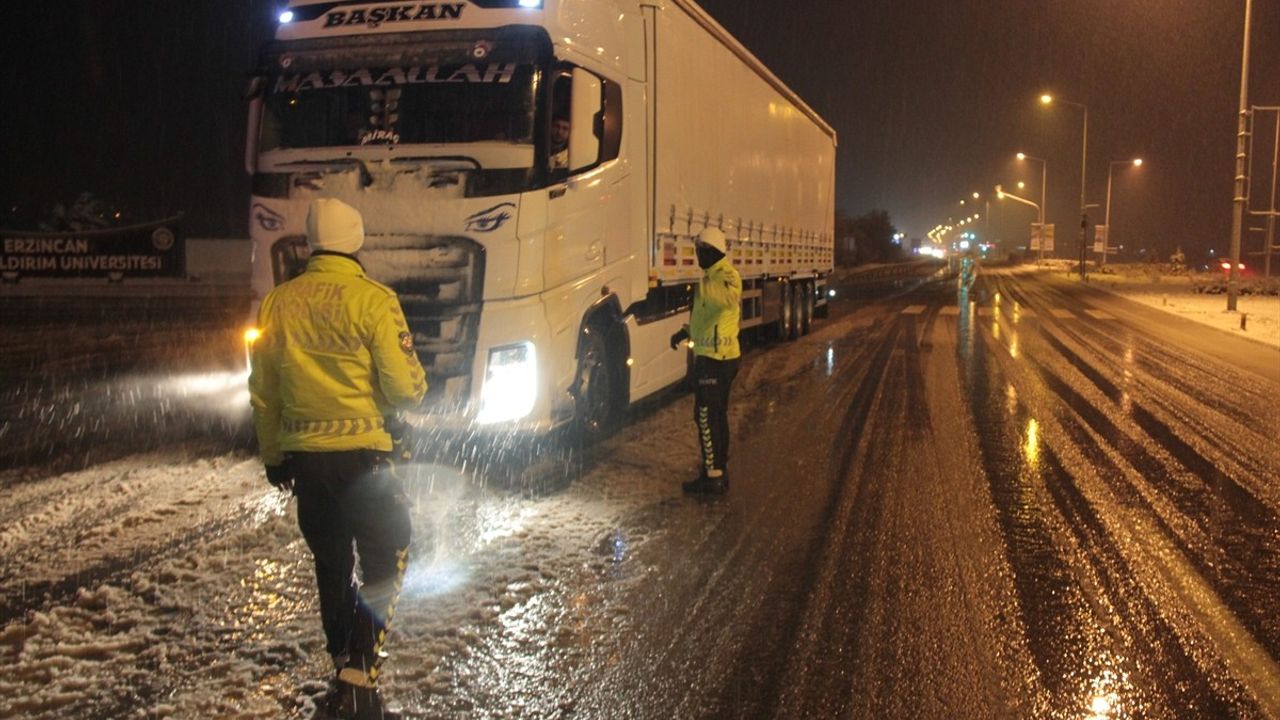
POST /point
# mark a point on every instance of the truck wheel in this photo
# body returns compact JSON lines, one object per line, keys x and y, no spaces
{"x":797,"y":310}
{"x":596,"y":410}
{"x":806,"y":308}
{"x":786,"y":310}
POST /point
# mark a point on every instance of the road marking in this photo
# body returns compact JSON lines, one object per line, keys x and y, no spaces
{"x":913,"y":310}
{"x":1026,"y":312}
{"x":949,"y":310}
{"x":1099,"y":315}
{"x":1062,"y":314}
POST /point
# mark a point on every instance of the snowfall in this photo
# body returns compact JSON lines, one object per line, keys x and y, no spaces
{"x":176,"y":585}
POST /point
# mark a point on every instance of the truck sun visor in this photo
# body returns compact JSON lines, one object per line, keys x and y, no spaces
{"x":513,"y":44}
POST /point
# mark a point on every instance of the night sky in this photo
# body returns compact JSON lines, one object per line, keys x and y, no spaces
{"x":139,"y":101}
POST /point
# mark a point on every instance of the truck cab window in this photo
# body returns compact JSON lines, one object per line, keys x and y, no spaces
{"x":586,"y":114}
{"x":561,"y":125}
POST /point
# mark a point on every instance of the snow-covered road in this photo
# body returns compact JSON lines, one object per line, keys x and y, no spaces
{"x":1013,"y":500}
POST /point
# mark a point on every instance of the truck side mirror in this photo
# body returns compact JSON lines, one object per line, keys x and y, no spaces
{"x":251,"y":136}
{"x":253,"y":93}
{"x":587,"y":107}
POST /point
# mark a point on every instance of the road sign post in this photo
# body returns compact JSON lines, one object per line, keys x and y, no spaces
{"x":1084,"y":232}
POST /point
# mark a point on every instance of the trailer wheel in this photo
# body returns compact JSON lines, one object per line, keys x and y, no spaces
{"x":786,"y":312}
{"x":797,"y":310}
{"x":806,"y":308}
{"x":597,"y":410}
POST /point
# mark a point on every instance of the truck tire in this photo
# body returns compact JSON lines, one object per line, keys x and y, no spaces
{"x":597,"y":410}
{"x":796,"y":294}
{"x":806,"y":308}
{"x":786,"y":313}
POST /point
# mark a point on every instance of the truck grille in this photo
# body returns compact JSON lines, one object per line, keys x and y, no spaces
{"x":440,"y":281}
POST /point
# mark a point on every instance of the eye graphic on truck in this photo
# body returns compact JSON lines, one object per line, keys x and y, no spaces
{"x":486,"y":221}
{"x":267,"y":219}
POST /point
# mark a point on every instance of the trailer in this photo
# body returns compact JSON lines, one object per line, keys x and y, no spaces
{"x":532,"y":175}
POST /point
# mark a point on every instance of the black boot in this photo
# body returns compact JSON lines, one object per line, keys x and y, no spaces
{"x":352,"y":702}
{"x":708,"y":485}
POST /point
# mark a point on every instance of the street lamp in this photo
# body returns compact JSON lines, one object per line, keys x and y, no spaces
{"x":1044,"y":175}
{"x":1047,"y":99}
{"x":1106,"y":235}
{"x":1003,"y":194}
{"x":1242,"y":133}
{"x":986,"y":231}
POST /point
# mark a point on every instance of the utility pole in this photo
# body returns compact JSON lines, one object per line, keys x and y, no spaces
{"x":1242,"y":133}
{"x":1270,"y":241}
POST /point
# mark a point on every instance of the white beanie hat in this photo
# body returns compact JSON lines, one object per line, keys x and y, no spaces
{"x":713,"y":237}
{"x":334,"y":226}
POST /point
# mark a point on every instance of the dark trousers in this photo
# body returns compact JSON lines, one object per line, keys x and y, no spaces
{"x":712,"y":380}
{"x":351,"y":502}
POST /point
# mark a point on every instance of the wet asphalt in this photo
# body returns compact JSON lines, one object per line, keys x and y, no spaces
{"x":1024,"y":497}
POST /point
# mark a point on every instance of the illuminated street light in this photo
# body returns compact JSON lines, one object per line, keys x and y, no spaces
{"x":1047,"y":99}
{"x":1001,"y":195}
{"x":1106,"y":236}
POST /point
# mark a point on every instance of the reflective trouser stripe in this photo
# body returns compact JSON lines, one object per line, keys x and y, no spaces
{"x":704,"y":434}
{"x":402,"y":563}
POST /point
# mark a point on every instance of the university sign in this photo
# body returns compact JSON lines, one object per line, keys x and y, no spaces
{"x":151,"y":250}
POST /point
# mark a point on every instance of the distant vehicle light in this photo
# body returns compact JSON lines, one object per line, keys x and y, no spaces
{"x":1227,"y":266}
{"x":831,"y":293}
{"x":251,"y":335}
{"x":286,"y":17}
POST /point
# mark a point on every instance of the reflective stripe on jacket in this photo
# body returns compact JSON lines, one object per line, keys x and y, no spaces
{"x":335,"y":356}
{"x":717,"y":310}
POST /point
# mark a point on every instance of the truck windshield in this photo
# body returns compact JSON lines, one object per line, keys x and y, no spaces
{"x":424,"y":104}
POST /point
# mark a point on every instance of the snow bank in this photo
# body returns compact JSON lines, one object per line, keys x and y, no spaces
{"x":1186,"y":296}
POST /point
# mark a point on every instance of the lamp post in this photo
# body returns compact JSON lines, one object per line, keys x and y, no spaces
{"x":1044,"y":176}
{"x":1001,"y":195}
{"x":1106,"y":237}
{"x":1242,"y":133}
{"x":1047,"y":99}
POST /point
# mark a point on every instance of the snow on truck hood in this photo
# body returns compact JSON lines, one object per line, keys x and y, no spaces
{"x":398,"y":206}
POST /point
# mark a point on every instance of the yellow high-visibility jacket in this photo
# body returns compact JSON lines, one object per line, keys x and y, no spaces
{"x":717,"y":310}
{"x":335,"y":356}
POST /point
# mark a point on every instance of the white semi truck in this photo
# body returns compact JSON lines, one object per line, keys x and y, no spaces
{"x":542,"y":277}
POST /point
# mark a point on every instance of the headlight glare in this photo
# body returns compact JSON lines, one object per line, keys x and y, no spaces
{"x":510,"y":384}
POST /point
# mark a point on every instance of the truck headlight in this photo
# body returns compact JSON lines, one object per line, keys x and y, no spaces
{"x":510,"y":384}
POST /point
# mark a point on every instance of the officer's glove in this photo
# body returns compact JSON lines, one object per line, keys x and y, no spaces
{"x":281,"y":476}
{"x":400,"y":436}
{"x":679,"y":338}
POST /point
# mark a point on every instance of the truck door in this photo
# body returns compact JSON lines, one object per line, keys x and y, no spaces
{"x":579,"y":194}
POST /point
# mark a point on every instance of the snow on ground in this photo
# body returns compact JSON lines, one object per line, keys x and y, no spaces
{"x":210,"y":606}
{"x":167,"y":587}
{"x":1180,"y":294}
{"x":173,"y":588}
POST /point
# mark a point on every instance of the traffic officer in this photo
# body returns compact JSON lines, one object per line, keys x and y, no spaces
{"x":713,"y":330}
{"x":335,"y":357}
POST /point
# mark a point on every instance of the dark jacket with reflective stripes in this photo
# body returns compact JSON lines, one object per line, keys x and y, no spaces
{"x":335,"y":356}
